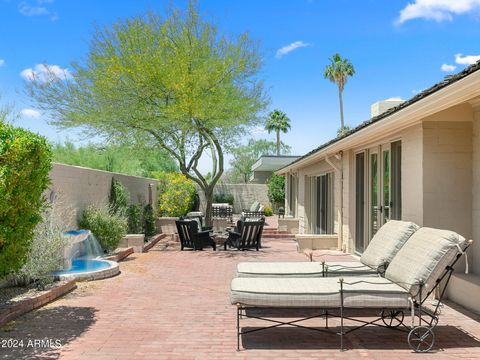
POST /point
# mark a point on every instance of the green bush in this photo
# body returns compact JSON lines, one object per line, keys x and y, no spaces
{"x":176,"y":194}
{"x":268,"y":211}
{"x":149,"y":221}
{"x":276,"y":189}
{"x":223,"y":198}
{"x":106,"y":226}
{"x":119,"y":198}
{"x":46,"y":253}
{"x":25,"y":161}
{"x":134,"y":218}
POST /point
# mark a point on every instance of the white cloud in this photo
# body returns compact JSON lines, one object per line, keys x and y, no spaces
{"x":30,"y":113}
{"x":45,"y":72}
{"x":28,"y":10}
{"x":466,"y":59}
{"x":2,"y":62}
{"x":258,"y":130}
{"x":289,"y":48}
{"x":448,"y":68}
{"x":438,"y":10}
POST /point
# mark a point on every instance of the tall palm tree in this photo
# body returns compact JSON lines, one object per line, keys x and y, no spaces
{"x":338,"y":72}
{"x":277,"y":121}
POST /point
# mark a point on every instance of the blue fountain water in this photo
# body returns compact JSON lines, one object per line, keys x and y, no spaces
{"x":82,"y":254}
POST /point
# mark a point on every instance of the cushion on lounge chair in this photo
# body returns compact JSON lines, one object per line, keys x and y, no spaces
{"x":385,"y":244}
{"x":317,"y":293}
{"x":303,"y":269}
{"x":424,"y":257}
{"x":255,"y":206}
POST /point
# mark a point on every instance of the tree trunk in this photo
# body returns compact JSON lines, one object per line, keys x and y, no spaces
{"x":342,"y":124}
{"x":278,"y":142}
{"x":208,"y":206}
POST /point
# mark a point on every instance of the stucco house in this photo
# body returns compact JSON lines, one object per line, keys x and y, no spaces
{"x":418,"y":161}
{"x":266,"y":165}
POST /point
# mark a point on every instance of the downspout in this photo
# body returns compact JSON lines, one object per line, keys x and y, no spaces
{"x":339,"y":156}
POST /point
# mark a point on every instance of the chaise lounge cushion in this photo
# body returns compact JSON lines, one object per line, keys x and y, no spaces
{"x":424,"y":257}
{"x":386,"y":243}
{"x":303,"y":269}
{"x":317,"y":293}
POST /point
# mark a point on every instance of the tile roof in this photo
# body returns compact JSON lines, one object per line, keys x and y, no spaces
{"x":448,"y":80}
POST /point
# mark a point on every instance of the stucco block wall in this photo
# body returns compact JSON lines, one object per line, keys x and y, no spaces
{"x":243,"y":195}
{"x":476,"y":192}
{"x":447,"y":175}
{"x":78,"y":187}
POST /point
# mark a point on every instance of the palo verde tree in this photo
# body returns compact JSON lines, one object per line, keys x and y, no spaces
{"x":175,"y":83}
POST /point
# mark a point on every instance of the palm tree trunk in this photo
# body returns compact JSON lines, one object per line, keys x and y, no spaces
{"x":342,"y":124}
{"x":278,"y":142}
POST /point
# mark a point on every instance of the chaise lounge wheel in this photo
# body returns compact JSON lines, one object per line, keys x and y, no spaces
{"x":421,"y":339}
{"x":392,"y":318}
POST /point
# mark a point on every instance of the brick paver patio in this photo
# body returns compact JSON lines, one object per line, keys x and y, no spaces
{"x":172,"y":304}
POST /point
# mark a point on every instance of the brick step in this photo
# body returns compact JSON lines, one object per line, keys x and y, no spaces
{"x":278,"y":236}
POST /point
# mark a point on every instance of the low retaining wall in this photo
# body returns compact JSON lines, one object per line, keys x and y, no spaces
{"x":316,"y":242}
{"x":12,"y":311}
{"x":78,"y":187}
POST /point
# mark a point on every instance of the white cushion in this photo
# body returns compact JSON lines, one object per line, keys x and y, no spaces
{"x":424,"y":257}
{"x":317,"y":293}
{"x":385,"y":244}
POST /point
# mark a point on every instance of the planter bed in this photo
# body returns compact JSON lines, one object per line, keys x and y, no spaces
{"x":31,"y":298}
{"x":120,"y":254}
{"x":153,"y":241}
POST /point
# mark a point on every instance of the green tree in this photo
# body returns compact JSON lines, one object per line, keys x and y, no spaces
{"x":174,"y":83}
{"x":276,"y":189}
{"x":277,"y":121}
{"x":338,"y":72}
{"x":131,"y":160}
{"x":246,"y":155}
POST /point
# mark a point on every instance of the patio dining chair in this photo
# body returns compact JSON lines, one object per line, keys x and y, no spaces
{"x":246,"y":235}
{"x":255,"y":211}
{"x":191,"y":237}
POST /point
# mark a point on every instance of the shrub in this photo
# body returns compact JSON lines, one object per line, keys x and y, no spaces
{"x":25,"y":161}
{"x":134,"y":218}
{"x":119,"y":198}
{"x":223,"y":198}
{"x":106,"y":226}
{"x":276,"y":189}
{"x":46,"y":253}
{"x":268,"y":211}
{"x":176,"y":194}
{"x":149,"y":221}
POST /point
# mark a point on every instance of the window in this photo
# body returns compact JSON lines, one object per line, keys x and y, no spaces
{"x":322,"y":196}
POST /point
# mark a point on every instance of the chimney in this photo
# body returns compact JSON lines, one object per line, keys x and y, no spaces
{"x":383,"y":105}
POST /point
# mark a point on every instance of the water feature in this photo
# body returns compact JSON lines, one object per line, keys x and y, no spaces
{"x":82,"y":258}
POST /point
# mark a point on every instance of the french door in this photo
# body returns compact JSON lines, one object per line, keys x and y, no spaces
{"x":322,"y":221}
{"x":377,"y":190}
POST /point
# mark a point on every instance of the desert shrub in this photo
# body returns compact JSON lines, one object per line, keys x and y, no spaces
{"x":176,"y":194}
{"x":119,"y":198}
{"x":148,"y":221}
{"x":276,"y":189}
{"x":25,"y":161}
{"x":223,"y":197}
{"x":107,"y":226}
{"x":134,"y":218}
{"x":268,"y":211}
{"x":46,"y":253}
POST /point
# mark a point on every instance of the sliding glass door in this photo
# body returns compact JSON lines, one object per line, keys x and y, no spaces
{"x":379,"y":191}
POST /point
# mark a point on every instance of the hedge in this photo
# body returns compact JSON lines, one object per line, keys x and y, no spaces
{"x":25,"y":161}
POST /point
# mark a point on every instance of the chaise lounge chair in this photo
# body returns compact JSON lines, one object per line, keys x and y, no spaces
{"x":388,"y":240}
{"x":418,"y":268}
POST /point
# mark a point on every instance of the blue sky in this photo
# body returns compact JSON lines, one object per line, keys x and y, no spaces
{"x":398,"y":47}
